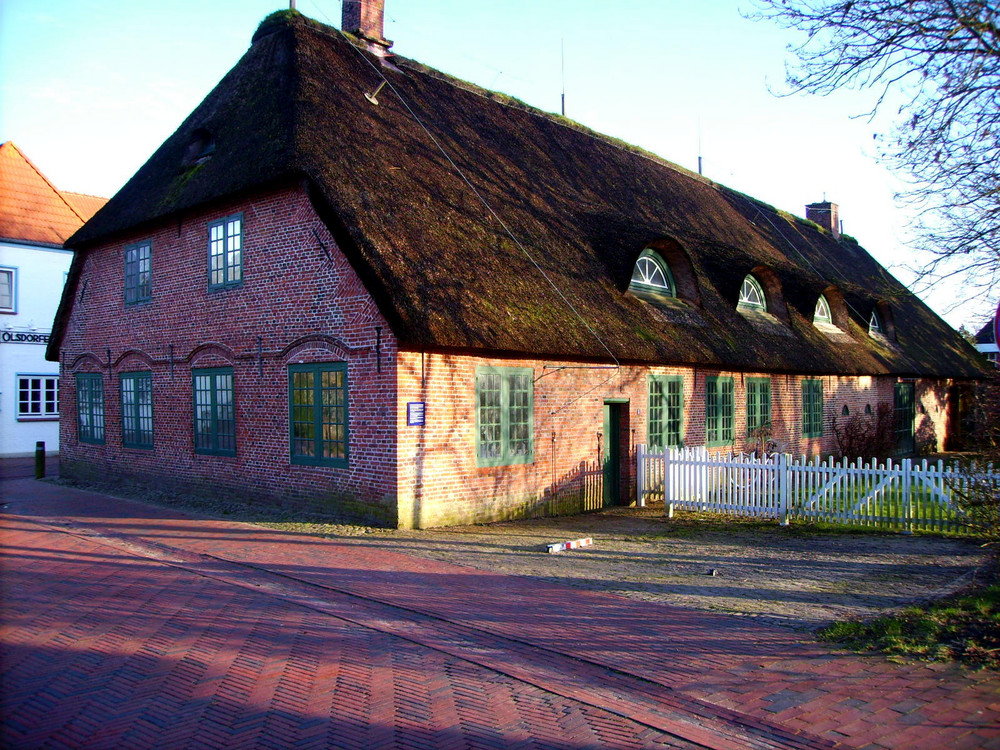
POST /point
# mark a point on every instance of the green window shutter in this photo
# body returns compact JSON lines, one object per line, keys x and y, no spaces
{"x":318,"y":418}
{"x":137,"y":409}
{"x":812,"y":408}
{"x":666,"y":411}
{"x":758,"y":403}
{"x":719,"y":411}
{"x":505,"y":416}
{"x":674,"y":432}
{"x":214,"y":411}
{"x":656,"y":424}
{"x":90,"y":408}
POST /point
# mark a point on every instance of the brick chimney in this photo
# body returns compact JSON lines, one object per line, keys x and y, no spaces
{"x":364,"y":18}
{"x":826,"y":215}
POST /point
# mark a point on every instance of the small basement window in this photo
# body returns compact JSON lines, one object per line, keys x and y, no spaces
{"x":751,"y":295}
{"x":652,"y":276}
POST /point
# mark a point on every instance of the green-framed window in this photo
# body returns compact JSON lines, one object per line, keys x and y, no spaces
{"x":214,"y":412}
{"x":719,"y":411}
{"x":317,"y":403}
{"x":137,"y":409}
{"x":505,"y":416}
{"x":225,"y":252}
{"x":666,"y":411}
{"x":812,"y":408}
{"x":139,"y":272}
{"x":651,"y":276}
{"x":90,"y":408}
{"x":758,"y":404}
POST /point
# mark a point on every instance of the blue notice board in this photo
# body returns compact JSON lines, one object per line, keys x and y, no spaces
{"x":415,"y":411}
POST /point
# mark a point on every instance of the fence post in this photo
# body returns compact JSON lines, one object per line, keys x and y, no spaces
{"x":640,"y":476}
{"x":781,"y":467}
{"x":668,"y":497}
{"x":907,"y":492}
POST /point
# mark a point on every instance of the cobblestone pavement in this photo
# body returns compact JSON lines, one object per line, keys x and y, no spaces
{"x":777,"y":575}
{"x":126,"y":625}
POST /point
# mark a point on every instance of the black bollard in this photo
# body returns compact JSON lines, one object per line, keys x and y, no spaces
{"x":40,"y":459}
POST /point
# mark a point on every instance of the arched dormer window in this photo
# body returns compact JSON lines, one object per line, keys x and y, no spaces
{"x":651,"y":274}
{"x":751,"y":295}
{"x":875,"y":324}
{"x":822,"y":313}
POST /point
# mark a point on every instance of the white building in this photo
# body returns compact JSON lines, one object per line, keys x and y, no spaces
{"x":35,"y":220}
{"x":986,"y":343}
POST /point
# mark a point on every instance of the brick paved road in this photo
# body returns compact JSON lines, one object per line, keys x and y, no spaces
{"x":131,"y":626}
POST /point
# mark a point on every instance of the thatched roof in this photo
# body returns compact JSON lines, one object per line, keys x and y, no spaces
{"x":440,"y":222}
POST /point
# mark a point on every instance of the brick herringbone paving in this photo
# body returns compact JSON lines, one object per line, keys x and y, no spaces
{"x":101,"y":649}
{"x":238,"y":635}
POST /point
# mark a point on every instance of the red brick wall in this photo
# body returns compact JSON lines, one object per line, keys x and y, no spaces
{"x":300,"y":301}
{"x":440,"y":483}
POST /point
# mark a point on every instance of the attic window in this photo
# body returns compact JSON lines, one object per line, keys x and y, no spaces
{"x":874,"y":325}
{"x":822,"y":313}
{"x":751,"y":295}
{"x":651,"y":277}
{"x":201,"y":146}
{"x":652,"y":272}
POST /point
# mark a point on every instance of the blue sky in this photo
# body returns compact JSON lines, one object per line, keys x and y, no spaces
{"x":89,"y":89}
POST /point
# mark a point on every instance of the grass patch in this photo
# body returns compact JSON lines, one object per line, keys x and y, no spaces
{"x":691,"y":522}
{"x":964,"y":628}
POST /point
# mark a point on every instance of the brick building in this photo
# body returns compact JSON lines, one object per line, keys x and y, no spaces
{"x":352,"y":283}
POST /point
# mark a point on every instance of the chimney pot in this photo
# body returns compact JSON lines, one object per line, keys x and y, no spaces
{"x":827,"y":215}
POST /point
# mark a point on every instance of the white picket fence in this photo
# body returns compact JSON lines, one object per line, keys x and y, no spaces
{"x":902,"y":494}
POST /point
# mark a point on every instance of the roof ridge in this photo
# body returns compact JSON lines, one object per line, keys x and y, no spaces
{"x":506,"y":100}
{"x":46,"y":180}
{"x":82,"y":195}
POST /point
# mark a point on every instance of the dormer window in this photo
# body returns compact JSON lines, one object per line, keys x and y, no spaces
{"x":651,"y":274}
{"x":652,"y":280}
{"x":751,"y":295}
{"x":201,"y":146}
{"x":874,"y":325}
{"x":822,"y":313}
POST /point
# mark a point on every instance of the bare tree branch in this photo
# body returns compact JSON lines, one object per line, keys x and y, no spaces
{"x":942,"y":57}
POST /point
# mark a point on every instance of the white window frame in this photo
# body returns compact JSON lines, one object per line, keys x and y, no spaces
{"x":750,"y":288}
{"x":823,"y":314}
{"x":12,"y":308}
{"x":875,"y":324}
{"x":651,"y":272}
{"x":48,"y":409}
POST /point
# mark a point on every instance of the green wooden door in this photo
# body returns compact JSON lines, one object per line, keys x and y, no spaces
{"x":612,"y":454}
{"x":903,"y":408}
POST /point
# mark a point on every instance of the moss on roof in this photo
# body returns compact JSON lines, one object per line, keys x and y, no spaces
{"x":424,"y":215}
